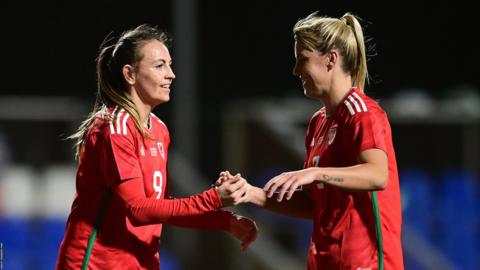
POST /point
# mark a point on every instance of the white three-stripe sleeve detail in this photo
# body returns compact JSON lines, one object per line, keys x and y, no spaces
{"x":119,"y":116}
{"x":124,"y":124}
{"x":350,"y":109}
{"x":361,"y":102}
{"x":357,"y":107}
{"x":112,"y":129}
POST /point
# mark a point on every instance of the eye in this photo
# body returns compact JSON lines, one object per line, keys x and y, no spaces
{"x":160,"y":66}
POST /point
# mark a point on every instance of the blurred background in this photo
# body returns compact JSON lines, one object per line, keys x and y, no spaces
{"x":235,"y":105}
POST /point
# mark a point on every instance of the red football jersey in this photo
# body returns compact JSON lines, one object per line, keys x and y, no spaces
{"x":115,"y":156}
{"x":345,"y":232}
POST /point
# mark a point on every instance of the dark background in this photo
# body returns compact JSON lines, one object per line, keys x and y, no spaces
{"x":245,"y":49}
{"x":244,"y":53}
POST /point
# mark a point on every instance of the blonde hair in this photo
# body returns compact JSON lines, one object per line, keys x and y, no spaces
{"x":344,"y":34}
{"x":111,"y":85}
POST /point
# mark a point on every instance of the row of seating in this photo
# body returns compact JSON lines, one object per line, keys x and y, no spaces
{"x":443,"y":208}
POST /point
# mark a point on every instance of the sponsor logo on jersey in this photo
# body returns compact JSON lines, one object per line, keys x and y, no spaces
{"x":153,"y":151}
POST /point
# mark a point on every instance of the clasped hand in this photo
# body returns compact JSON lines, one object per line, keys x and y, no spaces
{"x":232,"y":190}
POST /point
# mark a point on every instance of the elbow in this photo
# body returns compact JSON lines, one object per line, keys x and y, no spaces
{"x":135,"y":216}
{"x":136,"y":222}
{"x":381,"y":182}
{"x":381,"y":185}
{"x":134,"y":219}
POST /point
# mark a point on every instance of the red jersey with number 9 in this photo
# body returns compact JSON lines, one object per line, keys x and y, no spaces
{"x":114,"y":153}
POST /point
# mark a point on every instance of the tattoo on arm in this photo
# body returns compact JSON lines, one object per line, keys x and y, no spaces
{"x":328,"y":178}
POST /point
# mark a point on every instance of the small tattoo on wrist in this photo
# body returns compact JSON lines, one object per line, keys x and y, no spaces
{"x":328,"y":178}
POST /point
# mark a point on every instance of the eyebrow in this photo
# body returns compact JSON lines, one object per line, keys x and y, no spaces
{"x":163,"y":61}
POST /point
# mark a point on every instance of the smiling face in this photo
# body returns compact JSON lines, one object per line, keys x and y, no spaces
{"x":311,"y":68}
{"x":153,"y":74}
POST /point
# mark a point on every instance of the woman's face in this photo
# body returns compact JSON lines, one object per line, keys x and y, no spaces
{"x":154,"y":74}
{"x":311,"y":68}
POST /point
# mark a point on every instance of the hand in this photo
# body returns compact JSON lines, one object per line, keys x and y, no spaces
{"x":224,"y":176}
{"x":289,"y":182}
{"x":244,"y":229}
{"x":232,"y":190}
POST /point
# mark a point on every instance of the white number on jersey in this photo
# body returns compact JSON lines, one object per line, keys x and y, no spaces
{"x":157,"y":183}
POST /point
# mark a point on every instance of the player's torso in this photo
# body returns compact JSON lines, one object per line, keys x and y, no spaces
{"x":152,"y":155}
{"x":330,"y":146}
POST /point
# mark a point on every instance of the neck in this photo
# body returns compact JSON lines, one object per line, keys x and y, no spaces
{"x":338,"y":89}
{"x":143,"y":108}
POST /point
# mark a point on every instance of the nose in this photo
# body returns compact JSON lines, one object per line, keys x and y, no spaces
{"x":170,"y":73}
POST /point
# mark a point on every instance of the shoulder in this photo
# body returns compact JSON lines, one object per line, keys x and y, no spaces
{"x":359,"y":105}
{"x":120,"y":122}
{"x":157,"y":121}
{"x":159,"y":127}
{"x":318,"y":114}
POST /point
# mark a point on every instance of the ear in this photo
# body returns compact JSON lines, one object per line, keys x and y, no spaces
{"x":129,"y":74}
{"x":332,"y":58}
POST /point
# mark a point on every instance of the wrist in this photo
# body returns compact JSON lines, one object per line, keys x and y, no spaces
{"x":258,"y":196}
{"x":318,"y":175}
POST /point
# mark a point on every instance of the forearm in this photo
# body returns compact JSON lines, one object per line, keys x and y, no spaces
{"x":144,"y":211}
{"x":362,"y":177}
{"x":214,"y":220}
{"x":299,"y":206}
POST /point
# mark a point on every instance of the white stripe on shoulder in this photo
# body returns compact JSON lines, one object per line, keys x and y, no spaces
{"x":319,"y":112}
{"x":124,"y":124}
{"x":110,"y":121}
{"x":158,"y":119}
{"x":357,"y":107}
{"x":119,"y":128}
{"x":355,"y":104}
{"x":349,"y":107}
{"x":361,"y":101}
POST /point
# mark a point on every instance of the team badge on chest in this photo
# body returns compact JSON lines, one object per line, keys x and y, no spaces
{"x":160,"y":149}
{"x":331,"y":134}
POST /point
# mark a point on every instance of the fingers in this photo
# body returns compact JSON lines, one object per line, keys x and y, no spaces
{"x":294,"y":187}
{"x":232,"y":190}
{"x":274,"y":184}
{"x":224,"y":176}
{"x":239,"y":195}
{"x":249,"y":232}
{"x":283,"y":188}
{"x":284,"y":185}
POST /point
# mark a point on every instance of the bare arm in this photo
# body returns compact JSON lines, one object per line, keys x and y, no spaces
{"x":300,"y":206}
{"x":370,"y":174}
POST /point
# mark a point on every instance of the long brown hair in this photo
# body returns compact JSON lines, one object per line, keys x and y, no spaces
{"x":111,"y":85}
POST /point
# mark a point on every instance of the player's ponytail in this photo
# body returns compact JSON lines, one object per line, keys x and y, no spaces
{"x":344,"y":34}
{"x":357,"y":56}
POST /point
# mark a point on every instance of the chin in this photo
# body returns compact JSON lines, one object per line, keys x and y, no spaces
{"x":159,"y":101}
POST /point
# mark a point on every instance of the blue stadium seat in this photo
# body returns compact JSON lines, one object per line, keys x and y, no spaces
{"x":416,"y":191}
{"x":168,"y":261}
{"x":14,"y":235}
{"x":458,"y":206}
